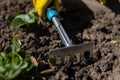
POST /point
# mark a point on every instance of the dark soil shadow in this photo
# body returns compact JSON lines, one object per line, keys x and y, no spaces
{"x":38,"y":29}
{"x":75,"y":20}
{"x":114,"y":5}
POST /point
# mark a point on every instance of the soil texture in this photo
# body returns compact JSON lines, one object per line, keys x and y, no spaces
{"x":82,"y":25}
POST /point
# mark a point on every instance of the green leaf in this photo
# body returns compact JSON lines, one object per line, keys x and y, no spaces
{"x":17,"y":22}
{"x":2,"y":55}
{"x":2,"y":77}
{"x":24,"y":66}
{"x":15,"y":46}
{"x":16,"y":59}
{"x":3,"y":59}
{"x":2,"y":69}
{"x":53,"y":60}
{"x":16,"y":65}
{"x":26,"y":18}
{"x":30,"y":64}
{"x":22,"y":19}
{"x":33,"y":13}
{"x":12,"y":64}
{"x":13,"y":72}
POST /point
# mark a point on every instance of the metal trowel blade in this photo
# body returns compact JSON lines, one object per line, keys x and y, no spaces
{"x":81,"y":49}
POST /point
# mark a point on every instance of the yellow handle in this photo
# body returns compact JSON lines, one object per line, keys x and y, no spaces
{"x":42,"y":5}
{"x":103,"y":2}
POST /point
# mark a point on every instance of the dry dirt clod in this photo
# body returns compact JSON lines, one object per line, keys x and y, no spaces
{"x":34,"y":60}
{"x":86,"y":35}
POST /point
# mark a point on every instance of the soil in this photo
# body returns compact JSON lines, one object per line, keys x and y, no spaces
{"x":82,"y":24}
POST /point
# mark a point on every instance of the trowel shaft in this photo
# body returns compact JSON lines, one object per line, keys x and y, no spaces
{"x":62,"y":33}
{"x":52,"y":15}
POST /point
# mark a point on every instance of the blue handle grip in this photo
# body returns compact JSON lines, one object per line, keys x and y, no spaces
{"x":51,"y":12}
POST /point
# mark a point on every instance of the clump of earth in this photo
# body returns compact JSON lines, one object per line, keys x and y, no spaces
{"x":82,"y":25}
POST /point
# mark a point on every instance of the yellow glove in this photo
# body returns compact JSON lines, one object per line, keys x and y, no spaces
{"x":41,"y":6}
{"x":102,"y":1}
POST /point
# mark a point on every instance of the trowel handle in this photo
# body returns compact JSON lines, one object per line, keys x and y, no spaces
{"x":52,"y":16}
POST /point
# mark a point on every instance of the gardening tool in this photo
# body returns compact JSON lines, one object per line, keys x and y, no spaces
{"x":70,"y":50}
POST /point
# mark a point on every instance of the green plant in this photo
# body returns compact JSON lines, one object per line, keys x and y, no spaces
{"x":53,"y":60}
{"x":12,"y":63}
{"x":23,"y":19}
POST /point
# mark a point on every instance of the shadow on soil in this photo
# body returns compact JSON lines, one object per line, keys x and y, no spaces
{"x":75,"y":20}
{"x":114,"y":5}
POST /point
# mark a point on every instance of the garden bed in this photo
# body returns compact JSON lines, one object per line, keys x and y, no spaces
{"x":102,"y":27}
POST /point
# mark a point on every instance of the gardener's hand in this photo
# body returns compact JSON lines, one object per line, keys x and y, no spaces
{"x":42,"y":5}
{"x":102,"y":1}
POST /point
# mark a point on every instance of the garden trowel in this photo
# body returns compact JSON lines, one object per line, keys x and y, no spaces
{"x":84,"y":50}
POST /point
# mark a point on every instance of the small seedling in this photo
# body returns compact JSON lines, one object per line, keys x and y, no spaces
{"x":24,"y":19}
{"x":12,"y":63}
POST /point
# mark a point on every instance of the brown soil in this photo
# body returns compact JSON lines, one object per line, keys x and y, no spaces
{"x":82,"y":24}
